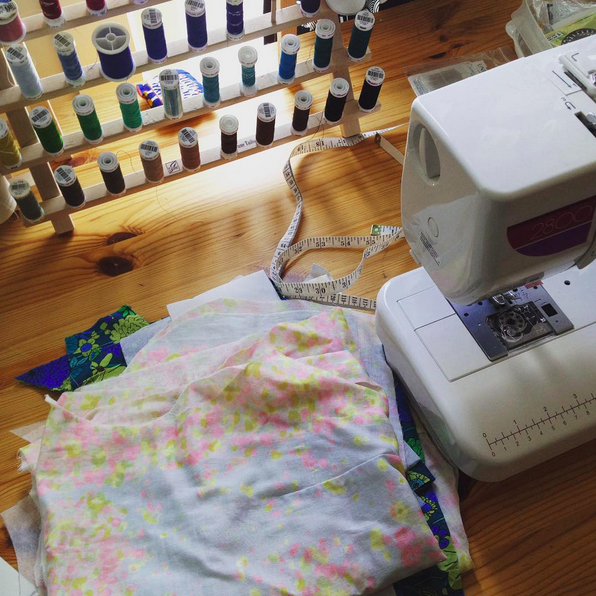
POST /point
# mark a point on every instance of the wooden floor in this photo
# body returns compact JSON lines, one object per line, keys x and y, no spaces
{"x":533,"y":535}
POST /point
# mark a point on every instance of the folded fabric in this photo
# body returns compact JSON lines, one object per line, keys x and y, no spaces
{"x":279,"y":472}
{"x":52,"y":375}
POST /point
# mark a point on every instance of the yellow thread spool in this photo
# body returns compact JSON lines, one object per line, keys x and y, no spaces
{"x":10,"y":154}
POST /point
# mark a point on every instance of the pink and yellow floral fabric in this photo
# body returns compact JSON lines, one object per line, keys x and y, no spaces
{"x":270,"y":468}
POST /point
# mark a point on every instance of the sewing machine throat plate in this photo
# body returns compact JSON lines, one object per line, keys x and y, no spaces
{"x":509,"y":321}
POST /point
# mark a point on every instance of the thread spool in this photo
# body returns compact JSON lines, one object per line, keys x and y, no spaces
{"x":129,"y":106}
{"x":361,"y":32}
{"x":347,"y":7}
{"x":248,"y":57}
{"x":290,"y":44}
{"x":210,"y":71}
{"x":310,"y":8}
{"x":228,"y":125}
{"x":30,"y":208}
{"x":12,"y":28}
{"x":188,"y":139}
{"x":7,"y":203}
{"x":235,"y":19}
{"x":70,"y":187}
{"x":375,"y":76}
{"x":266,"y":113}
{"x":302,"y":104}
{"x":325,"y":31}
{"x":111,"y":173}
{"x":96,"y":7}
{"x":112,"y":42}
{"x":196,"y":25}
{"x":155,"y":37}
{"x":139,"y":2}
{"x":169,"y":81}
{"x":336,"y":101}
{"x":10,"y":154}
{"x":84,"y":108}
{"x":24,"y":72}
{"x":151,"y":160}
{"x":47,"y":130}
{"x":64,"y":44}
{"x":52,"y":12}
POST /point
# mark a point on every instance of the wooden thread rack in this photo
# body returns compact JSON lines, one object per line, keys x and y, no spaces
{"x":14,"y":105}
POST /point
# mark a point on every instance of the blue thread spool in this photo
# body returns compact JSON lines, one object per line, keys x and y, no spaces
{"x":310,"y":8}
{"x":196,"y":25}
{"x":155,"y":37}
{"x":361,"y":32}
{"x":323,"y":45}
{"x":235,"y":19}
{"x":248,"y":57}
{"x":169,"y":82}
{"x":112,"y":42}
{"x":24,"y":72}
{"x":64,"y":45}
{"x":210,"y":72}
{"x":290,"y":44}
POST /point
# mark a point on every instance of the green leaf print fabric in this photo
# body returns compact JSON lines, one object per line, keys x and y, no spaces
{"x":269,"y":468}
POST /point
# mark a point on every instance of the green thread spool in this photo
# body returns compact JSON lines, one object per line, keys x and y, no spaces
{"x":129,"y":106}
{"x":10,"y":154}
{"x":85,"y":111}
{"x":323,"y":45}
{"x":248,"y":57}
{"x":47,"y":130}
{"x":30,"y":208}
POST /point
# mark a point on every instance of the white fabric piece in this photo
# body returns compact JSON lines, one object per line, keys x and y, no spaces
{"x":14,"y":584}
{"x":31,"y":432}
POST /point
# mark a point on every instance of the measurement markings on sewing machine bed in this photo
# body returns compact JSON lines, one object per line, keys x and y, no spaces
{"x":545,"y":423}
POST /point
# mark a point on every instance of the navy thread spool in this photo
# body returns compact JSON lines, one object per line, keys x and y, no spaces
{"x":371,"y":89}
{"x":70,"y":187}
{"x":228,"y":125}
{"x":169,"y":81}
{"x":290,"y":45}
{"x":112,"y":42}
{"x":310,"y":8}
{"x":111,"y":173}
{"x":210,"y":70}
{"x":64,"y":44}
{"x":155,"y":37}
{"x":266,"y":113}
{"x":235,"y":19}
{"x":248,"y":57}
{"x":151,"y":160}
{"x":361,"y":32}
{"x":24,"y":72}
{"x":30,"y":208}
{"x":302,"y":104}
{"x":196,"y":25}
{"x":336,"y":100}
{"x":188,"y":139}
{"x":325,"y":31}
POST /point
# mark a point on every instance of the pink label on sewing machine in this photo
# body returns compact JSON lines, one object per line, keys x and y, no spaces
{"x":554,"y":232}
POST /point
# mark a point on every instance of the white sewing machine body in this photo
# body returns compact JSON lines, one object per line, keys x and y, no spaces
{"x":498,"y":193}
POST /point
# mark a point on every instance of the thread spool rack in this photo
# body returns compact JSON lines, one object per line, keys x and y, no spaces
{"x":14,"y":105}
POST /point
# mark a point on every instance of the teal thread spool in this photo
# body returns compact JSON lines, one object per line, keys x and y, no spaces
{"x":169,"y":81}
{"x":248,"y":57}
{"x":87,"y":116}
{"x":210,"y":72}
{"x":30,"y":208}
{"x":129,"y":106}
{"x":361,"y":32}
{"x":323,"y":45}
{"x":47,"y":131}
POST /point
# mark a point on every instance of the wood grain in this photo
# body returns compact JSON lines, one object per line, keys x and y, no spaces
{"x":530,"y":535}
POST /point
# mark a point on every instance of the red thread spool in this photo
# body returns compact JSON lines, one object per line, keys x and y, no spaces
{"x":96,"y":7}
{"x":52,"y":12}
{"x":12,"y":28}
{"x":188,"y":140}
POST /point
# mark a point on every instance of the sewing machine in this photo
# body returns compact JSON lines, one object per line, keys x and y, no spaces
{"x":495,"y":335}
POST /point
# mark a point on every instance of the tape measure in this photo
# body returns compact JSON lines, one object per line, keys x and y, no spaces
{"x":329,"y":292}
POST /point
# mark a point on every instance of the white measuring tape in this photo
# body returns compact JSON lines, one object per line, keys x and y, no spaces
{"x":328,"y":291}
